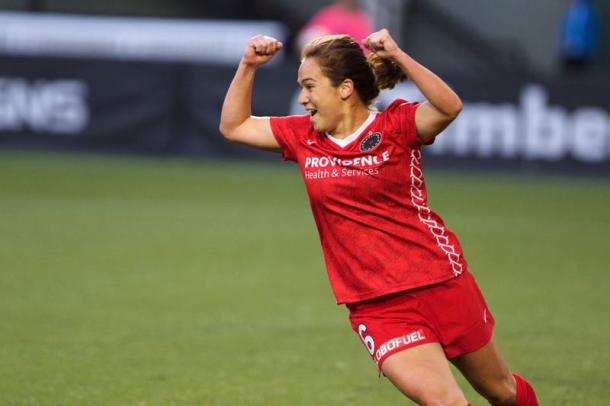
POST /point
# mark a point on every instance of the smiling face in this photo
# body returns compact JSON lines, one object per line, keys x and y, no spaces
{"x":321,"y":99}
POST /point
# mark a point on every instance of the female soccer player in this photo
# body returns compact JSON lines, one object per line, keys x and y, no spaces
{"x":389,"y":257}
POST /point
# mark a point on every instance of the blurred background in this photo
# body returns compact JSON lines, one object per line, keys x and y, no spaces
{"x":146,"y":260}
{"x":150,"y":76}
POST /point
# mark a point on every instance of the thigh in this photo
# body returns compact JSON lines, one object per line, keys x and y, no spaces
{"x":422,"y":373}
{"x":459,"y":315}
{"x":390,"y":325}
{"x":487,"y":371}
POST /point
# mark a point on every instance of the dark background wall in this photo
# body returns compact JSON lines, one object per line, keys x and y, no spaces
{"x":501,"y":57}
{"x":525,"y":28}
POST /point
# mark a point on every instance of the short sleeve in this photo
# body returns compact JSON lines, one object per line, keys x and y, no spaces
{"x":401,"y":114}
{"x":286,"y":130}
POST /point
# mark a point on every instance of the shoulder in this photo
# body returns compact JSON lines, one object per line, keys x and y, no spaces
{"x":290,"y":123}
{"x":330,"y":10}
{"x":326,"y":13}
{"x":399,"y":105}
{"x":288,"y":130}
{"x":400,"y":116}
{"x":400,"y":111}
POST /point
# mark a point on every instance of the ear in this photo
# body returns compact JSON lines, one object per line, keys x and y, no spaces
{"x":346,"y":89}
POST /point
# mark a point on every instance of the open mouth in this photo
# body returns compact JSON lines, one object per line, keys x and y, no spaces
{"x":312,"y":112}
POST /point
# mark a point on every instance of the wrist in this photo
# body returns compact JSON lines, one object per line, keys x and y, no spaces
{"x":405,"y":62}
{"x":398,"y":55}
{"x":245,"y":64}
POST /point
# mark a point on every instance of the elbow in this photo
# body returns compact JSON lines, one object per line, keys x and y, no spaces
{"x":226,"y":131}
{"x":456,"y":108}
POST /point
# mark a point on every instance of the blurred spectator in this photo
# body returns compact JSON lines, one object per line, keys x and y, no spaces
{"x":341,"y":17}
{"x":388,"y":14}
{"x":579,"y":34}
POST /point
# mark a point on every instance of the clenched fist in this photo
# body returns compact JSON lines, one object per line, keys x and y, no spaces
{"x":260,"y":50}
{"x":382,"y":44}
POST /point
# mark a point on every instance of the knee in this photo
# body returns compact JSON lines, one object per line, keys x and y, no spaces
{"x":444,"y":398}
{"x":504,"y":393}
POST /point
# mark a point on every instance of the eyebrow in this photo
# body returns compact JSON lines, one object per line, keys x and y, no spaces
{"x":302,"y":82}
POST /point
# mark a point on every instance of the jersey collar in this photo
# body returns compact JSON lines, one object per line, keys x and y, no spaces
{"x":343,"y":142}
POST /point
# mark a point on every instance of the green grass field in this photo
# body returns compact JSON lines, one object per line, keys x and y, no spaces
{"x":132,"y":281}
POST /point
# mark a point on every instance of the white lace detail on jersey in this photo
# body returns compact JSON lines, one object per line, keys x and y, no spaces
{"x":423,"y":211}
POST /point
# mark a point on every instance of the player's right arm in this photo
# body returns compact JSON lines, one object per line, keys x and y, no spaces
{"x":236,"y":121}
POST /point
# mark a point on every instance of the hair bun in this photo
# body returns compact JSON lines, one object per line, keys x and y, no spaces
{"x":387,"y":73}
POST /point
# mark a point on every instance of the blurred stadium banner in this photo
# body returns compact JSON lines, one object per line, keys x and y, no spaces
{"x":560,"y":120}
{"x":98,"y":104}
{"x":149,"y":39}
{"x":173,"y":107}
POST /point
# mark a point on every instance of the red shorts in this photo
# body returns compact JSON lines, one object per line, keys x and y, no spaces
{"x":452,"y":313}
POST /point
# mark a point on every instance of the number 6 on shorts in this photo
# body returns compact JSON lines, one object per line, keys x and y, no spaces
{"x":367,"y":340}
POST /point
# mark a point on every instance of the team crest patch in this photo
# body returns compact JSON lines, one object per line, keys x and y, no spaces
{"x":370,"y":141}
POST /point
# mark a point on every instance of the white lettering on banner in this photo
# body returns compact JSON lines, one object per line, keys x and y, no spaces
{"x":399,"y":342}
{"x":591,"y":128}
{"x":54,"y":106}
{"x":531,"y":130}
{"x":423,"y":211}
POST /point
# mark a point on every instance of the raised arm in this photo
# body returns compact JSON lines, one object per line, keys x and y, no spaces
{"x":443,"y":104}
{"x":236,"y":121}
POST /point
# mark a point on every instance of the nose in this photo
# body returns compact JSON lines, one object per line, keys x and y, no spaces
{"x":303,"y":99}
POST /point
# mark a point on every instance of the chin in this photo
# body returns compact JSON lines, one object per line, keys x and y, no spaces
{"x":316,"y":126}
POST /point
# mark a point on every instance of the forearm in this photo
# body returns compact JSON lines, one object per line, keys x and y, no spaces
{"x":434,"y":89}
{"x":237,"y":106}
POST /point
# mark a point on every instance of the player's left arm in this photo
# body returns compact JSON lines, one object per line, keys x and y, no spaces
{"x":442,"y":106}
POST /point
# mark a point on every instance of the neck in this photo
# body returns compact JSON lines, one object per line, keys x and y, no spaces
{"x":350,"y":122}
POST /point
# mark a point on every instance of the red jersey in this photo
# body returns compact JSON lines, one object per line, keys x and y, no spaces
{"x":369,"y":202}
